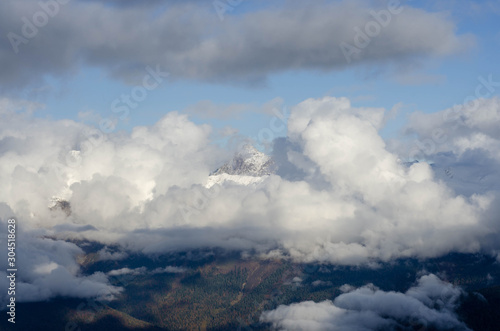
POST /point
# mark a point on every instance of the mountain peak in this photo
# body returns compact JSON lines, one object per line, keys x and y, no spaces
{"x":248,"y":162}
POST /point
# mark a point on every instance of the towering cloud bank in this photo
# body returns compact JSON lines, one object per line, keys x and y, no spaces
{"x":462,"y":141}
{"x":349,"y":199}
{"x":298,"y":35}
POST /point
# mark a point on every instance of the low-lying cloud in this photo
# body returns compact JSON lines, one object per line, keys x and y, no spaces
{"x":430,"y":304}
{"x":48,"y":268}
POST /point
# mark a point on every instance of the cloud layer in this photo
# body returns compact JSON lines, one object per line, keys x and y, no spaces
{"x":242,"y":48}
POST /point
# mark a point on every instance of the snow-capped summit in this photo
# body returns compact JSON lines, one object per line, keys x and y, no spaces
{"x":248,"y":166}
{"x":248,"y":162}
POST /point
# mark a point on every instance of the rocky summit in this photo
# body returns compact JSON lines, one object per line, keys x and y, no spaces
{"x":248,"y":162}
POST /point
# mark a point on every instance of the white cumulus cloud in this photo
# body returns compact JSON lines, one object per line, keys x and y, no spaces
{"x":431,"y":303}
